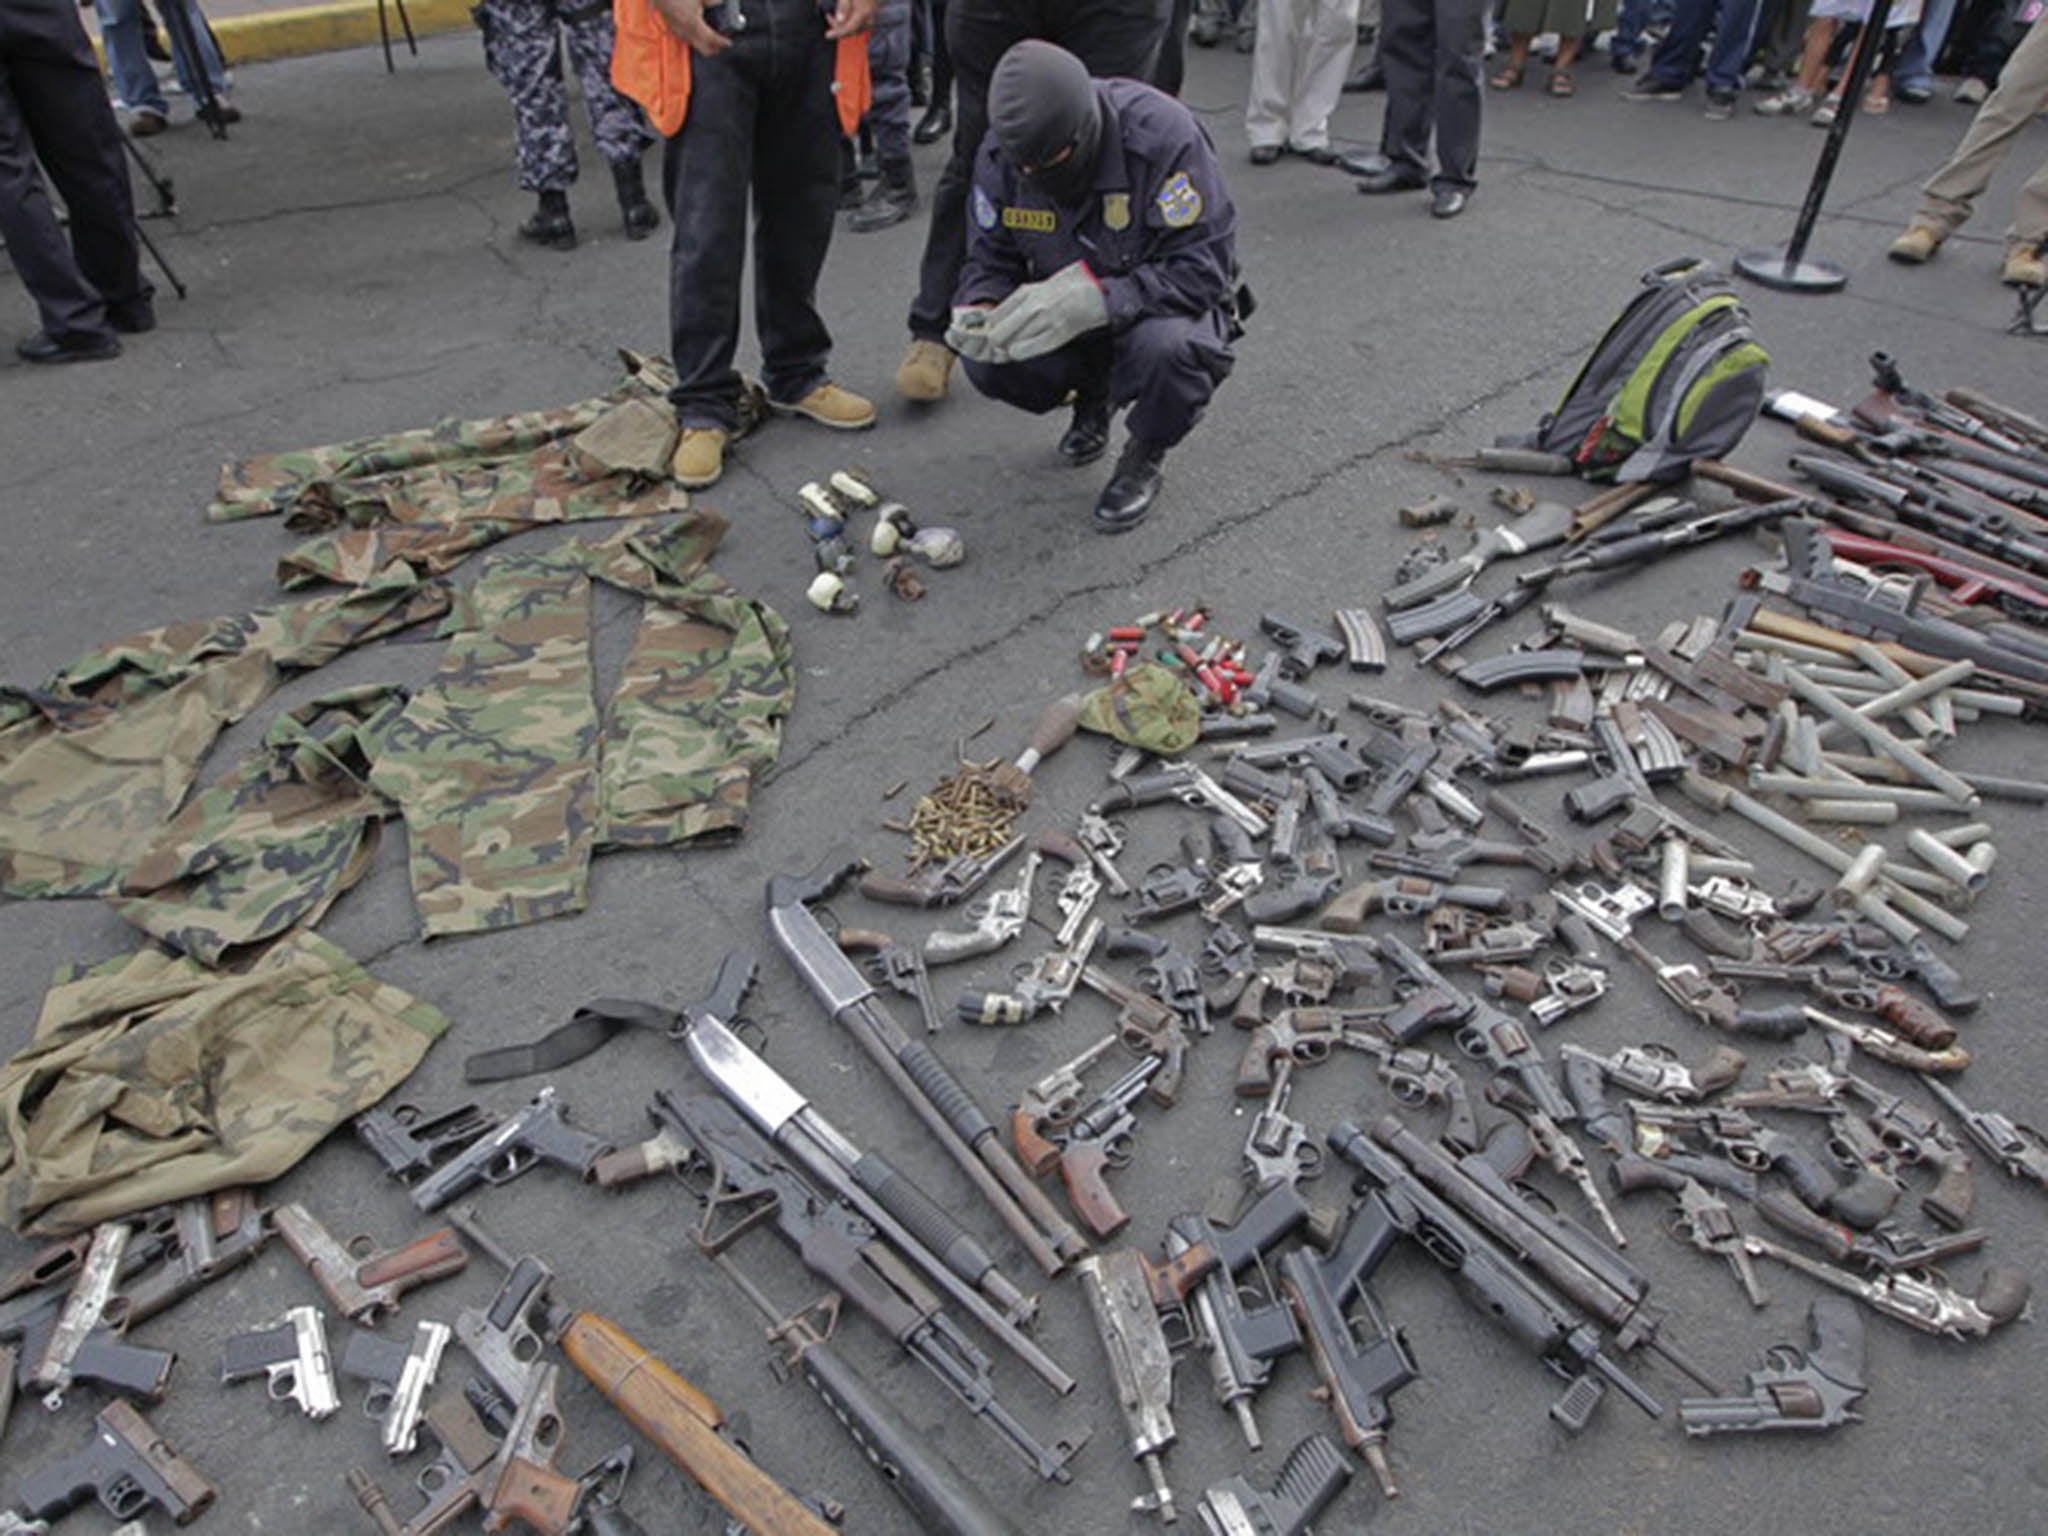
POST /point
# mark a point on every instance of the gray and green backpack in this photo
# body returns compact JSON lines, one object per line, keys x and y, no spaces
{"x":1679,"y":376}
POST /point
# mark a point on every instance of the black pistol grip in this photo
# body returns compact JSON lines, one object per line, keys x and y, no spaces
{"x":830,"y":874}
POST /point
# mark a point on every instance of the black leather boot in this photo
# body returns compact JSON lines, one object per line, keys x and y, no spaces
{"x":641,"y":219}
{"x":1087,"y":435}
{"x":937,"y":122}
{"x":550,"y":224}
{"x":893,"y":200}
{"x":1140,"y":472}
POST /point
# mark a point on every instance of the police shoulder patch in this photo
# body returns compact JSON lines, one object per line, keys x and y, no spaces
{"x":984,"y":210}
{"x":1180,"y":204}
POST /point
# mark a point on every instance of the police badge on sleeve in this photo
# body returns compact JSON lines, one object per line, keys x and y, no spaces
{"x":984,"y":210}
{"x":1179,"y":203}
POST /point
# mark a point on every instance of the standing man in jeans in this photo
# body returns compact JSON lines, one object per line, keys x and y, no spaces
{"x":122,"y":29}
{"x":1672,"y":65}
{"x":53,"y":106}
{"x":753,"y":114}
{"x":1113,"y":38}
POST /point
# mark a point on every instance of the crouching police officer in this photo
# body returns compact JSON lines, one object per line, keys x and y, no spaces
{"x":1100,"y":265}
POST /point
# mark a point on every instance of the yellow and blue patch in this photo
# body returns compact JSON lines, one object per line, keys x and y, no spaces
{"x":1179,"y":202}
{"x":984,"y":210}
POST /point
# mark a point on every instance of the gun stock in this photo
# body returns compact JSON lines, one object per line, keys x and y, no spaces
{"x":682,"y":1423}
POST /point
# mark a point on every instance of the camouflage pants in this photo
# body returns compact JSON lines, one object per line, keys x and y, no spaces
{"x":93,"y":763}
{"x":151,"y":1078}
{"x":507,"y":777}
{"x":270,"y":846}
{"x":427,"y":499}
{"x":523,"y":49}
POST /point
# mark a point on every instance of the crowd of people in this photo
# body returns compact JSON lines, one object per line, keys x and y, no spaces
{"x":1080,"y":243}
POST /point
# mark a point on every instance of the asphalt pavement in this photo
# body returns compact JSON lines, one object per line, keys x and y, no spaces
{"x":353,"y":268}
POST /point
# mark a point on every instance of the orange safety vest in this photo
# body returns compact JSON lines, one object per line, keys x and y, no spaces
{"x":651,"y":65}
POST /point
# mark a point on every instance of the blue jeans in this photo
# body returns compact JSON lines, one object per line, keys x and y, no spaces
{"x":1732,"y":21}
{"x":134,"y":81}
{"x":1915,"y":66}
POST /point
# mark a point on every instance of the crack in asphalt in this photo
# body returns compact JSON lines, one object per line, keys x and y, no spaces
{"x":899,"y":694}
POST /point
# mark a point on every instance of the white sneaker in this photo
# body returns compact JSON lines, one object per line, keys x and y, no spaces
{"x":1971,"y":91}
{"x":1824,"y":114}
{"x":1790,"y":102}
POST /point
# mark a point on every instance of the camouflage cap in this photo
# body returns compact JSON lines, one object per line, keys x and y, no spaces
{"x":1149,"y":706}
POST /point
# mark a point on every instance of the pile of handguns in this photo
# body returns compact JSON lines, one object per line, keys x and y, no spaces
{"x":1369,"y":885}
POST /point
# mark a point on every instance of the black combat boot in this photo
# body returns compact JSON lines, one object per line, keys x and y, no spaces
{"x":1140,"y":472}
{"x":937,"y":121}
{"x":893,"y":200}
{"x":550,"y":224}
{"x":641,"y":219}
{"x":1087,"y":435}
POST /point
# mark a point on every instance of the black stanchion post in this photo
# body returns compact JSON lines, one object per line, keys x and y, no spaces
{"x":1788,"y":267}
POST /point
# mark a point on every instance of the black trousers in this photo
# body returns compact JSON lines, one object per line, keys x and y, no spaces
{"x":1433,"y":52}
{"x":54,"y":107}
{"x":761,"y":120}
{"x":1112,"y":37}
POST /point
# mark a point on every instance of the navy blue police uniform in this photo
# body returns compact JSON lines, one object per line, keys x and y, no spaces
{"x":1158,"y":230}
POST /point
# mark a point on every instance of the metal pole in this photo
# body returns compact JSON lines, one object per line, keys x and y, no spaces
{"x":1788,"y":269}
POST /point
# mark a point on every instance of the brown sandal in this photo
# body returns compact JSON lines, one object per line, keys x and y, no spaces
{"x":1507,"y":79}
{"x":1562,"y":84}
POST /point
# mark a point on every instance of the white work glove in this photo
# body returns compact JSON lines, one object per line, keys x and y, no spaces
{"x":968,"y":334}
{"x":1044,"y":316}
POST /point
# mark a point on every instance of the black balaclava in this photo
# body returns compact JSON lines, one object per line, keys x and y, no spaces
{"x":1040,"y":101}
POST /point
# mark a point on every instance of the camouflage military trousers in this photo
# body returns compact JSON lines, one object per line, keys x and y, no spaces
{"x":151,"y":1078}
{"x":271,"y":845}
{"x":506,"y":775}
{"x":523,"y":49}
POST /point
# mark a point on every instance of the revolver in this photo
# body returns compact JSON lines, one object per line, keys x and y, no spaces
{"x":1817,"y":1388}
{"x":998,"y":918}
{"x":1041,"y":984}
{"x":942,"y":884}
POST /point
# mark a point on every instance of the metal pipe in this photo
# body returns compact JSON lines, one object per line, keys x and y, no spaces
{"x":1673,"y":877}
{"x":1960,"y":837}
{"x":1859,"y":872}
{"x":1706,"y":864}
{"x":1916,"y":762}
{"x":1856,"y":813}
{"x":1945,"y":861}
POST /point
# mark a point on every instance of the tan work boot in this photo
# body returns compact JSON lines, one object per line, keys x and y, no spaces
{"x":1917,"y":244}
{"x":699,"y":458}
{"x":830,"y":406}
{"x":2024,"y":267}
{"x":924,"y":370}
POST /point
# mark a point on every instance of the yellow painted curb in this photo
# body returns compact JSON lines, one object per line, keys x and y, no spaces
{"x":321,"y":28}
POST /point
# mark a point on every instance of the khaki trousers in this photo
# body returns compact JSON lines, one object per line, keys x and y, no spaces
{"x":2022,"y":93}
